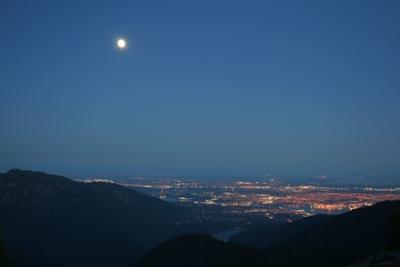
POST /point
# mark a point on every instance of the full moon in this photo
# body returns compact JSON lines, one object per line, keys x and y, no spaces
{"x":121,"y":43}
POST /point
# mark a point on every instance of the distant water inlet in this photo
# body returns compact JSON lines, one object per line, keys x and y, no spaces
{"x":227,"y":234}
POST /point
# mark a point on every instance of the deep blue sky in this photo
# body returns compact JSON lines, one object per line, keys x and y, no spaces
{"x":205,"y":87}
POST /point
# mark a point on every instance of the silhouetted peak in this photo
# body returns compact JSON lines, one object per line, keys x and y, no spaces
{"x":33,"y":177}
{"x":14,"y":172}
{"x":19,"y":172}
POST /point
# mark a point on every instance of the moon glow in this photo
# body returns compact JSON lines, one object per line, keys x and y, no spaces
{"x":121,"y":43}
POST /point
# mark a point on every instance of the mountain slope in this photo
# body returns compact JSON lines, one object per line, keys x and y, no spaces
{"x":201,"y":251}
{"x":59,"y":222}
{"x":3,"y":256}
{"x":268,"y":235}
{"x":384,"y":259}
{"x":341,"y":240}
{"x":321,"y":241}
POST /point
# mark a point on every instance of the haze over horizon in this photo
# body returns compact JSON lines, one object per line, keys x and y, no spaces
{"x":202,"y":88}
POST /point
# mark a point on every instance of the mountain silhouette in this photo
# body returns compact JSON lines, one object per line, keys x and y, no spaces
{"x":201,"y":251}
{"x":271,"y":234}
{"x":317,"y":241}
{"x":60,"y":222}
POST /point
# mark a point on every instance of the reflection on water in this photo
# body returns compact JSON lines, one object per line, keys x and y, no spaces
{"x":225,"y":235}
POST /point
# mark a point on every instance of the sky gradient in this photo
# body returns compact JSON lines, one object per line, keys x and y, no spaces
{"x":204,"y":88}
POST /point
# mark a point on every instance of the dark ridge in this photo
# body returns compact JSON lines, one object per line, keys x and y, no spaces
{"x":59,"y":222}
{"x":268,"y":235}
{"x":343,"y":239}
{"x":36,"y":176}
{"x":201,"y":251}
{"x":317,"y":241}
{"x":383,"y":259}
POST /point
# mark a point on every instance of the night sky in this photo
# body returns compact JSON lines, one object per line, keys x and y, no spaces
{"x":203,"y":88}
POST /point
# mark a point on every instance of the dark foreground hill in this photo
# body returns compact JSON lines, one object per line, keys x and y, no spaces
{"x":383,"y":259}
{"x":268,"y":235}
{"x":3,"y":255}
{"x":201,"y":251}
{"x":322,"y":241}
{"x":54,"y":221}
{"x":341,"y":239}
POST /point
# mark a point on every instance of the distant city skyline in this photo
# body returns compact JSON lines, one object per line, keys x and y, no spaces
{"x":208,"y":88}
